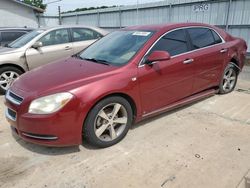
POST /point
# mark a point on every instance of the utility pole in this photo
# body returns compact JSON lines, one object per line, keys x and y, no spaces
{"x":137,"y":13}
{"x":227,"y":14}
{"x":59,"y":14}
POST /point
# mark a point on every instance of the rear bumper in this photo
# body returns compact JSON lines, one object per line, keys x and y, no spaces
{"x":62,"y":128}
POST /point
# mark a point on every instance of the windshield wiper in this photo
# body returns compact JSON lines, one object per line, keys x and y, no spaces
{"x":77,"y":56}
{"x":101,"y":61}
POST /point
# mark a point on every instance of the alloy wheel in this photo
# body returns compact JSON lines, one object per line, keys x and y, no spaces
{"x":229,"y":80}
{"x":7,"y":78}
{"x":110,"y":122}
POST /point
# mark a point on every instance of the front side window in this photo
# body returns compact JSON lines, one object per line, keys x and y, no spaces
{"x":55,"y":37}
{"x":174,"y":43}
{"x":201,"y":37}
{"x":83,"y":34}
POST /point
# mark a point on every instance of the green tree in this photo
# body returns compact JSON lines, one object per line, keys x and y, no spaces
{"x":36,"y":3}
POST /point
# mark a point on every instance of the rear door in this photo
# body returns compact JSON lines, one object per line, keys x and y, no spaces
{"x":56,"y":45}
{"x":83,"y":37}
{"x":209,"y":55}
{"x":166,"y":82}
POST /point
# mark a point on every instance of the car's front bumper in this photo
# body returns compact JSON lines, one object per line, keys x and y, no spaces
{"x":62,"y":128}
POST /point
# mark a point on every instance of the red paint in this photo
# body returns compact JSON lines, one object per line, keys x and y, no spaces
{"x":158,"y":86}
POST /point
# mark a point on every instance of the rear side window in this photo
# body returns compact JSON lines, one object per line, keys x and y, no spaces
{"x":202,"y":37}
{"x":174,"y":43}
{"x":83,"y":34}
{"x":55,"y":37}
{"x":11,"y":36}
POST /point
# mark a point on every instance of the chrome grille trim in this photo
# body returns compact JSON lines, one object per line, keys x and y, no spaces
{"x":40,"y":137}
{"x":9,"y":96}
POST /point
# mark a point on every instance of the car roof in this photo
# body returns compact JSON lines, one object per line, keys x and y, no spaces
{"x":68,"y":26}
{"x":102,"y":31}
{"x":16,"y":28}
{"x":165,"y":27}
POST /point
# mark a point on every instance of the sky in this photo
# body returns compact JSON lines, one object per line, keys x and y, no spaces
{"x":52,"y":9}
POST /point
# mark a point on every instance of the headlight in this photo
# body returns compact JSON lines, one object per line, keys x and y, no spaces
{"x":49,"y":104}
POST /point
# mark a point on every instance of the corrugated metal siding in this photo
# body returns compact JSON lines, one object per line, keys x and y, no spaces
{"x":242,"y":33}
{"x":48,"y":21}
{"x":129,"y":18}
{"x":159,"y":12}
{"x":90,"y":19}
{"x":240,"y":12}
{"x":216,"y":15}
{"x":109,"y":19}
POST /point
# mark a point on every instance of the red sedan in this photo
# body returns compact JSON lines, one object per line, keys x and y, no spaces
{"x":127,"y":76}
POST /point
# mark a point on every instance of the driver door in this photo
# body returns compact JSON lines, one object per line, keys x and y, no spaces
{"x":55,"y":45}
{"x":165,"y":82}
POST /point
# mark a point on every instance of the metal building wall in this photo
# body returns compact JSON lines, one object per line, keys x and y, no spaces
{"x":14,"y":15}
{"x":233,"y":15}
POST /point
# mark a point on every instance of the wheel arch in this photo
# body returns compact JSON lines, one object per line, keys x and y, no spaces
{"x":13,"y":65}
{"x":123,"y":95}
{"x":236,"y":63}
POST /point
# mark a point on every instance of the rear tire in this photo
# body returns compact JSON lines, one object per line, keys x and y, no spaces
{"x":8,"y":74}
{"x":229,"y":79}
{"x":108,"y":122}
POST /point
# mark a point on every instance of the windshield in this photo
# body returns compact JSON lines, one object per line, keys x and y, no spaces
{"x":117,"y":48}
{"x":20,"y":42}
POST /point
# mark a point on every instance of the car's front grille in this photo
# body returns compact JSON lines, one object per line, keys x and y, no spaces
{"x":14,"y":98}
{"x":10,"y":114}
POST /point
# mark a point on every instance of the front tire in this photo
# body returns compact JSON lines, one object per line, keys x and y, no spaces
{"x":229,"y":79}
{"x":108,"y":122}
{"x":8,"y":75}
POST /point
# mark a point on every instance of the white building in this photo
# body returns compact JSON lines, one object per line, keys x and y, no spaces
{"x":14,"y":13}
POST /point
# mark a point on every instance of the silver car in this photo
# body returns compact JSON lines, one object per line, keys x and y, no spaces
{"x":43,"y":46}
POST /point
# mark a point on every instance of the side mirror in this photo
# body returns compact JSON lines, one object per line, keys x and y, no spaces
{"x":157,"y":56}
{"x":37,"y":45}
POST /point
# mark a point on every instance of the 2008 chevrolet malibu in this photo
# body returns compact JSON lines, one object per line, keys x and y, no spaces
{"x":127,"y":76}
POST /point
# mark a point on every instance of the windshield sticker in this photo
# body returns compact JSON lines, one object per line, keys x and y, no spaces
{"x":141,"y":33}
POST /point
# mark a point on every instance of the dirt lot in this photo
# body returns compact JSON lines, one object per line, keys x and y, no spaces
{"x":206,"y":144}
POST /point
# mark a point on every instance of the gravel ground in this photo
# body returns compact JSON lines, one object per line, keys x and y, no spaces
{"x":206,"y":144}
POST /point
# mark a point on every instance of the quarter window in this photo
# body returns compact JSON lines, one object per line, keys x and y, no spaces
{"x":203,"y":37}
{"x":216,"y":37}
{"x":83,"y":34}
{"x":174,"y":43}
{"x":60,"y":36}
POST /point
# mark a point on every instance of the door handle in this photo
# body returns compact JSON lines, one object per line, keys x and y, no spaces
{"x":223,"y":50}
{"x":68,"y":48}
{"x":188,"y":61}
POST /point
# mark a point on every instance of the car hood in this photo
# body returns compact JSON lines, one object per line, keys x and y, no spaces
{"x":4,"y":50}
{"x":60,"y":76}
